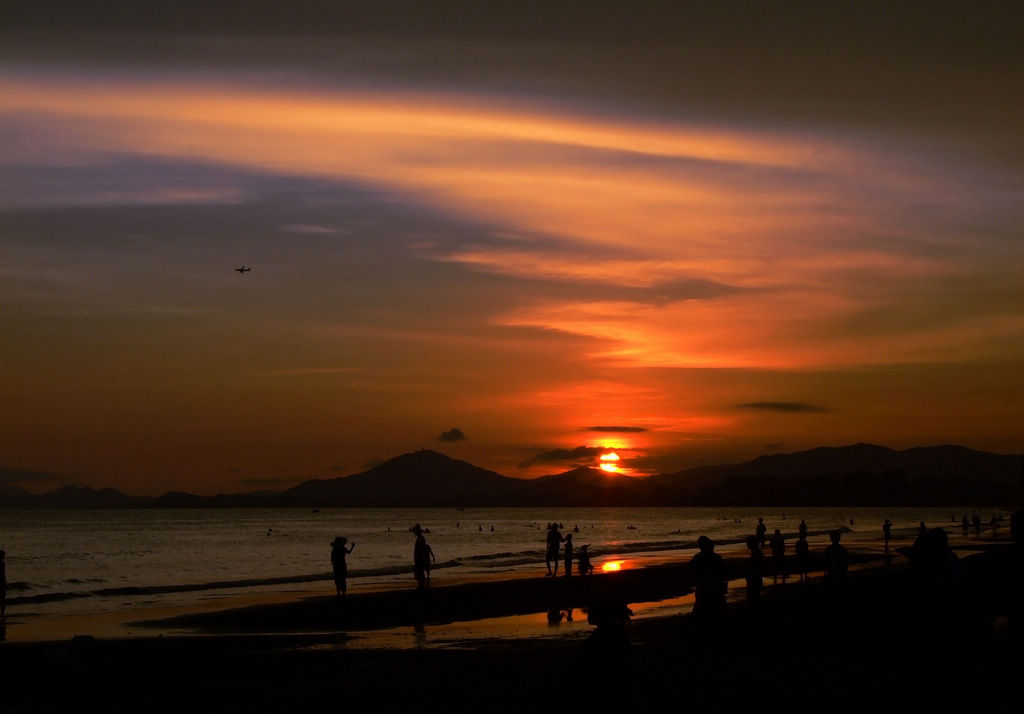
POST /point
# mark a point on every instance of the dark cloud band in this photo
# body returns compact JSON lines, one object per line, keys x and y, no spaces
{"x":618,"y":429}
{"x":791,"y":407}
{"x":580,"y":452}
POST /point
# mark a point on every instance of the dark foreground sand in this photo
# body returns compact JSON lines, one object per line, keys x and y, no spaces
{"x":879,"y":644}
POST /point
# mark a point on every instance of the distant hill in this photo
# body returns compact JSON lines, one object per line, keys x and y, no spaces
{"x":421,"y":478}
{"x":861,"y":474}
{"x":856,"y":475}
{"x":584,"y":486}
{"x":14,"y":496}
{"x":85,"y":497}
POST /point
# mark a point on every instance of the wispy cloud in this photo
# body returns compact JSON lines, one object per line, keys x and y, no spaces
{"x":309,"y":229}
{"x":793,"y":407}
{"x":756,"y":243}
{"x":308,"y":371}
{"x":25,"y":477}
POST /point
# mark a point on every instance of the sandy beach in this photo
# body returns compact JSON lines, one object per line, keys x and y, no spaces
{"x":488,"y":646}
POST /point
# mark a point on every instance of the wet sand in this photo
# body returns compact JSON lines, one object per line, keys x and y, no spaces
{"x":487,"y":647}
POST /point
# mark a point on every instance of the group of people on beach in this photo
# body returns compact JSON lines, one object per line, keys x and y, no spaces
{"x":422,"y":558}
{"x":975,"y":522}
{"x":711,"y":580}
{"x":553,"y":545}
{"x":707,"y":567}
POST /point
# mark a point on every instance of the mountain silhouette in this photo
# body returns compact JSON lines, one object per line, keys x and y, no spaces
{"x":855,"y":475}
{"x":860,"y":474}
{"x":420,"y":478}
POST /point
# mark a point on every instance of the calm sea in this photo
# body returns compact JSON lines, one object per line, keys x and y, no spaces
{"x":76,"y":561}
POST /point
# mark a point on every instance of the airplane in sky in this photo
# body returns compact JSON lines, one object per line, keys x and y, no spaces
{"x":243,"y":269}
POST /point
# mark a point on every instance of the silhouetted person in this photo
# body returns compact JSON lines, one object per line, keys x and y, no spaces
{"x":803,"y":558}
{"x":762,"y":532}
{"x":338,"y":553}
{"x":887,"y":533}
{"x":568,"y":554}
{"x":708,"y":570}
{"x":778,"y":546}
{"x":3,"y":584}
{"x":754,"y":577}
{"x":1012,"y":590}
{"x":603,"y":661}
{"x":936,"y":574}
{"x":837,"y":560}
{"x":976,"y":522}
{"x":422,"y":556}
{"x":803,"y":529}
{"x":965,"y":525}
{"x":554,"y":542}
{"x":922,"y":529}
{"x":583,"y":560}
{"x":936,"y":577}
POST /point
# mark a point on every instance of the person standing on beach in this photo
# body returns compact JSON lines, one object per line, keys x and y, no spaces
{"x":568,"y":554}
{"x":1012,"y":590}
{"x":837,"y":560}
{"x":553,"y":546}
{"x":778,"y":545}
{"x":887,"y":533}
{"x":803,"y":529}
{"x":803,"y":558}
{"x":754,"y":579}
{"x":709,"y":579}
{"x":762,"y":532}
{"x":965,"y":525}
{"x":422,"y":556}
{"x":3,"y":584}
{"x":338,"y":553}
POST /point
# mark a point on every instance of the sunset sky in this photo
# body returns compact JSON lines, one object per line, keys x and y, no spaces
{"x":687,"y":232}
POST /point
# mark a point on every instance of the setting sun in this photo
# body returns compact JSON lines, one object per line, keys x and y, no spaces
{"x":609,"y":462}
{"x":611,"y":566}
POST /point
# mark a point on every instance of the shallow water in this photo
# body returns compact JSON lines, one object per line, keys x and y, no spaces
{"x":67,"y":561}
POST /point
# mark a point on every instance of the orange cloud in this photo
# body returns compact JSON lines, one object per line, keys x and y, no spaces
{"x":814,"y":226}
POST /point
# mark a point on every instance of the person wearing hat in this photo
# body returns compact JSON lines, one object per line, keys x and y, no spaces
{"x":338,"y":553}
{"x":708,"y":571}
{"x":422,"y":555}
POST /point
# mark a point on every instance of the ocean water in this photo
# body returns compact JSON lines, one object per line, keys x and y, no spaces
{"x":67,"y":561}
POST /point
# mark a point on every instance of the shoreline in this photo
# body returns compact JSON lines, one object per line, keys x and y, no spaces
{"x":647,"y":576}
{"x":870,"y":644}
